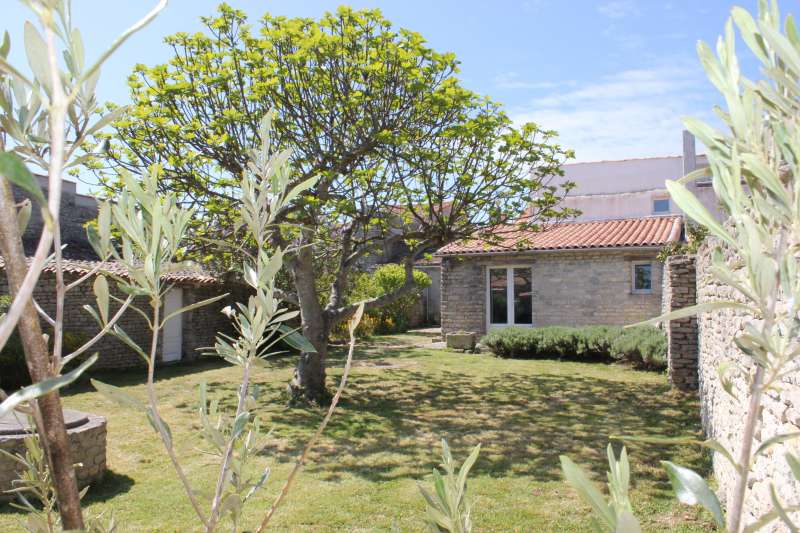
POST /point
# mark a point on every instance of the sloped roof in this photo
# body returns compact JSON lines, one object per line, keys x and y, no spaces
{"x":617,"y":233}
{"x":80,"y":267}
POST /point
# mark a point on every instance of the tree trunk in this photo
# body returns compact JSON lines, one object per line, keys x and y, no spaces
{"x":308,"y":385}
{"x":54,"y":434}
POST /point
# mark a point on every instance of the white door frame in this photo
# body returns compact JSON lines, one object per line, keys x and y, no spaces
{"x":509,"y":296}
{"x":172,"y":335}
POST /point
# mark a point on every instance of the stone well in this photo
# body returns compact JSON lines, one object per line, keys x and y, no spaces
{"x":87,"y":437}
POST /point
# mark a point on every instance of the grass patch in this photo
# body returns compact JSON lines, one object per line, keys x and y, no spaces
{"x":385,"y":436}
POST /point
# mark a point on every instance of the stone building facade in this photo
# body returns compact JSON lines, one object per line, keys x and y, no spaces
{"x":573,"y":274}
{"x":570,"y":288}
{"x":199,"y":326}
{"x":723,"y":415}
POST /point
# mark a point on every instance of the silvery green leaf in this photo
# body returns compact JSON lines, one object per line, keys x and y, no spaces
{"x":36,"y":51}
{"x":355,"y":320}
{"x":121,"y":335}
{"x":588,"y":492}
{"x":118,"y":395}
{"x":689,"y":203}
{"x":6,"y":46}
{"x":777,"y":439}
{"x":193,"y":306}
{"x":627,"y":523}
{"x":24,"y":215}
{"x":46,"y":386}
{"x":100,"y":288}
{"x":694,"y":310}
{"x":167,"y":433}
{"x":692,"y":489}
{"x":296,"y":340}
{"x":749,"y":32}
{"x":794,"y":465}
{"x":239,"y":424}
{"x":14,"y":170}
{"x":122,"y":38}
{"x":107,"y":119}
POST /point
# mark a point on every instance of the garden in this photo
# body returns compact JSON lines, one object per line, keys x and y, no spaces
{"x":281,"y":164}
{"x":385,"y":438}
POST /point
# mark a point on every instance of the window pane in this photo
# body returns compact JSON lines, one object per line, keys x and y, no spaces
{"x":523,"y":301}
{"x":498,"y":309}
{"x":661,"y":206}
{"x":642,"y":277}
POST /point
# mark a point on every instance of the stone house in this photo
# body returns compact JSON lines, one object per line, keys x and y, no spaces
{"x":601,"y":272}
{"x":181,"y":338}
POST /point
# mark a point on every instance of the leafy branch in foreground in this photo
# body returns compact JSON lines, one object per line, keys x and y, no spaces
{"x":151,"y":228}
{"x":448,"y":509}
{"x":755,"y":167}
{"x":45,"y":119}
{"x":613,"y":516}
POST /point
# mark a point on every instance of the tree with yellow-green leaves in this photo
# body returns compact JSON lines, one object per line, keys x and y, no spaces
{"x":402,"y":152}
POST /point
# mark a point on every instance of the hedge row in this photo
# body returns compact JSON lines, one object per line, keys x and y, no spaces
{"x":643,"y":346}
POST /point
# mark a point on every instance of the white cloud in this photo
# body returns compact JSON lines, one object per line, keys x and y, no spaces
{"x":512,"y":80}
{"x":617,"y":9}
{"x":632,"y":113}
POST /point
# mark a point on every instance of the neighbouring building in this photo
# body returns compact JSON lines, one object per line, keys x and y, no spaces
{"x":573,"y":273}
{"x":182,"y":337}
{"x":635,"y":187}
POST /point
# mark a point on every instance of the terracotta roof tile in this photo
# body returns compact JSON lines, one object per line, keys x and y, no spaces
{"x":618,"y":233}
{"x":80,"y":267}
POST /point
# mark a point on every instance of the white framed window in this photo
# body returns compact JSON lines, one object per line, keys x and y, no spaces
{"x":642,"y":277}
{"x":660,"y":206}
{"x":509,"y":296}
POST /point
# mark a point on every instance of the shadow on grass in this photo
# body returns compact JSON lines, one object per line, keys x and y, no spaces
{"x":390,"y":420}
{"x":401,"y":401}
{"x":112,"y":484}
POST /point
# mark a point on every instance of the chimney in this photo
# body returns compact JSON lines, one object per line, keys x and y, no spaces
{"x":689,"y":154}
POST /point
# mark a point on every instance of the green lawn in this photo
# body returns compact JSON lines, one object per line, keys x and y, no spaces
{"x":385,"y":437}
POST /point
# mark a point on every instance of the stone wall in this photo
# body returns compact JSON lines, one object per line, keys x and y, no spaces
{"x":680,"y":291}
{"x":199,"y":326}
{"x":723,"y":416}
{"x":76,"y":210}
{"x":87,"y":444}
{"x":577,"y":288}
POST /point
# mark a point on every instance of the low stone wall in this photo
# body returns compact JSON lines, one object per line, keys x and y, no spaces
{"x":723,"y":416}
{"x":87,"y":444}
{"x":680,"y":288}
{"x":580,"y":288}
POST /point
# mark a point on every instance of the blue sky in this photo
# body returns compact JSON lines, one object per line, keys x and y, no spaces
{"x":612,"y":76}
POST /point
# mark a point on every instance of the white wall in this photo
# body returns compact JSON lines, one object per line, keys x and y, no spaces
{"x":628,"y":187}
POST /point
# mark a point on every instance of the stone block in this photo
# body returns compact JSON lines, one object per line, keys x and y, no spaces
{"x":461,"y":340}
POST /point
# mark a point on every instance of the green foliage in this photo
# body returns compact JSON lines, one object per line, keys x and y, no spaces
{"x":403,"y":152}
{"x":695,"y":236}
{"x":387,"y":279}
{"x":616,"y":515}
{"x":13,"y":368}
{"x":151,"y":227}
{"x":644,"y":346}
{"x":447,"y":507}
{"x":755,"y":168}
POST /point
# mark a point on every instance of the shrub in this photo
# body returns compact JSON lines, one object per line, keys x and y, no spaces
{"x":643,"y":346}
{"x":13,"y":368}
{"x":393,"y":317}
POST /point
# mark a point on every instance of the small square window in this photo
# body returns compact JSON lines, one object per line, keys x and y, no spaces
{"x":661,"y":205}
{"x":642,"y":277}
